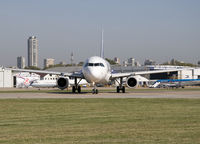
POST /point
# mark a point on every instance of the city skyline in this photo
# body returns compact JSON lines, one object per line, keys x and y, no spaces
{"x":158,"y":30}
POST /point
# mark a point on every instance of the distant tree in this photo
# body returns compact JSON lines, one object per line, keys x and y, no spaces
{"x":33,"y":68}
{"x":52,"y":66}
{"x":80,"y":63}
{"x":178,"y":63}
{"x":68,"y":65}
{"x":112,"y":62}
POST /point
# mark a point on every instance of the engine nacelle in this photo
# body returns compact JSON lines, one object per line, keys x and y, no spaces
{"x":62,"y":83}
{"x":131,"y":82}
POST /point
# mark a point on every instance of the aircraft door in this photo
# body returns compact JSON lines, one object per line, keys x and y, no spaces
{"x":14,"y":81}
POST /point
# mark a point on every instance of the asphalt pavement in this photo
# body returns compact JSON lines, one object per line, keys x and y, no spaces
{"x":138,"y":94}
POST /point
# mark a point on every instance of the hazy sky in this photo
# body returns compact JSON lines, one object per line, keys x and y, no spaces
{"x":155,"y":29}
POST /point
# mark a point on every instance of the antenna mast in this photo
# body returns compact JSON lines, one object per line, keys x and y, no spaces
{"x":102,"y":45}
{"x":72,"y":58}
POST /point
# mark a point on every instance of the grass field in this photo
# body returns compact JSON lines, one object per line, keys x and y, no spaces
{"x":126,"y":121}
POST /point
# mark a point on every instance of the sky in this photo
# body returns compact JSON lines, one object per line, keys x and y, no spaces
{"x":142,"y":29}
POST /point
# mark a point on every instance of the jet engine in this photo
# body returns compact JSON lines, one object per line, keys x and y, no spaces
{"x":131,"y":81}
{"x":62,"y":83}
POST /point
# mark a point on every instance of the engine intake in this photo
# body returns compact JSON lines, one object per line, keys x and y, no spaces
{"x":131,"y":82}
{"x":62,"y":83}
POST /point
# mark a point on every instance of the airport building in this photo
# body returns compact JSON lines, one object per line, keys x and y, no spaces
{"x":21,"y":62}
{"x":32,"y":51}
{"x":6,"y":78}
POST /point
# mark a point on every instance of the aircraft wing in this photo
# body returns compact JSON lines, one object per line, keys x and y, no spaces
{"x":120,"y":75}
{"x":43,"y":72}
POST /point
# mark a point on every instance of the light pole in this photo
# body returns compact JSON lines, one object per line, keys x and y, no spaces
{"x":3,"y":76}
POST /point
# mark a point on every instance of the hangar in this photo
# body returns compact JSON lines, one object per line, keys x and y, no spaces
{"x":6,"y":78}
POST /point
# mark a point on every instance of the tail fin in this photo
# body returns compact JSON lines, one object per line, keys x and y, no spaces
{"x":102,"y":48}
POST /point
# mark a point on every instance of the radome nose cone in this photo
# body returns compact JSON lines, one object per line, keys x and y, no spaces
{"x":96,"y":75}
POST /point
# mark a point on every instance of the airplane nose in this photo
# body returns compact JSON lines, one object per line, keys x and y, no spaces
{"x":96,"y":75}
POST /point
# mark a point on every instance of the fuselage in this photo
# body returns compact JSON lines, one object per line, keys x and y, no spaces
{"x":53,"y":83}
{"x":96,"y":70}
{"x":44,"y":84}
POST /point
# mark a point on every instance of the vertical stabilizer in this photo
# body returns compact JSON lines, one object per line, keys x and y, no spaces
{"x":102,"y":48}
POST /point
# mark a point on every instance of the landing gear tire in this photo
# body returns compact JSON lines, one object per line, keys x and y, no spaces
{"x":73,"y":89}
{"x":123,"y":89}
{"x":79,"y":89}
{"x":95,"y":91}
{"x":118,"y":89}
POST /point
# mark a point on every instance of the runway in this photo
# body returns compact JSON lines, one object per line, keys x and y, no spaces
{"x":138,"y":94}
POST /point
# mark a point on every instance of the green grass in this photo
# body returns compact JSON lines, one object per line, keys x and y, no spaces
{"x":88,"y":121}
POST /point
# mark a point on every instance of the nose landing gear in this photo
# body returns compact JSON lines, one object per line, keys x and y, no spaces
{"x":95,"y":90}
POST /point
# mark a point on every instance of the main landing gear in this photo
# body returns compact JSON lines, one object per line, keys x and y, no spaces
{"x":76,"y":87}
{"x":120,"y":87}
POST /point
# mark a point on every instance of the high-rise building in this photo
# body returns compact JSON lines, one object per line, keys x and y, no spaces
{"x":32,"y":51}
{"x":62,"y":63}
{"x":20,"y":62}
{"x":72,"y":58}
{"x":125,"y":63}
{"x":117,"y":60}
{"x":137,"y":64}
{"x":149,"y":62}
{"x":48,"y":62}
{"x":131,"y":62}
{"x":198,"y":63}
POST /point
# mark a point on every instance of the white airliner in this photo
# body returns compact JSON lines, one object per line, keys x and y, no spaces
{"x":96,"y":70}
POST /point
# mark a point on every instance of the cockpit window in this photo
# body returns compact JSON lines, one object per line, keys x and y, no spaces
{"x":86,"y":65}
{"x":97,"y":64}
{"x":101,"y":65}
{"x":94,"y":64}
{"x":90,"y":64}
